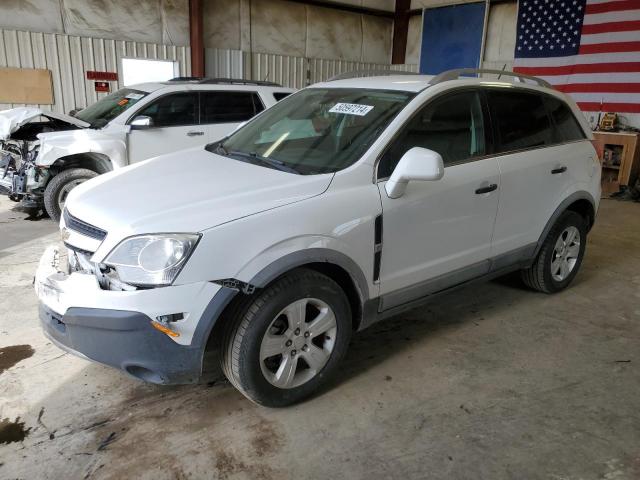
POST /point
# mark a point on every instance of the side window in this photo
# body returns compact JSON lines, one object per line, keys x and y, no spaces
{"x":173,"y":110}
{"x":280,"y":95}
{"x":567,"y":127}
{"x":452,"y":126}
{"x":229,"y":107}
{"x":520,"y":119}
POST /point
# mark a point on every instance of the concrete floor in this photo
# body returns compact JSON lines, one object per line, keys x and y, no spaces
{"x":491,"y":382}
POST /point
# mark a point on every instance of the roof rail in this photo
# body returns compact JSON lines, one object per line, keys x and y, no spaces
{"x":239,"y":81}
{"x":369,"y":73}
{"x":457,"y":73}
{"x":184,"y":79}
{"x":227,"y":81}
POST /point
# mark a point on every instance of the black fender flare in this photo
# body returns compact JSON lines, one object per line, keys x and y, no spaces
{"x":574,"y":197}
{"x":312,"y":255}
{"x":223,"y":298}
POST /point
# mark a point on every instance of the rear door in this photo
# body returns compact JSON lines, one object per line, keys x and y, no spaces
{"x":175,"y":126}
{"x":536,"y":162}
{"x":223,"y":111}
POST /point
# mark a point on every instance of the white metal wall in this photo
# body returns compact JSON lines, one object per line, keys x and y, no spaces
{"x":289,"y":71}
{"x":69,"y":57}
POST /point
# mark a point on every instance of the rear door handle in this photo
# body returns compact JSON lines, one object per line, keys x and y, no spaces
{"x":194,"y":134}
{"x":487,"y":189}
{"x":561,"y":169}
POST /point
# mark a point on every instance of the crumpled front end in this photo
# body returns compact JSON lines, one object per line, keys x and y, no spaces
{"x":20,"y":178}
{"x":154,"y":334}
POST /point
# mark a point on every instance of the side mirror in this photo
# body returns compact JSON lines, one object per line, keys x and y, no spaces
{"x":141,"y":122}
{"x":416,"y":164}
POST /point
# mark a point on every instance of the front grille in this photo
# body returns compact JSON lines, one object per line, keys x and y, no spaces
{"x":84,"y":228}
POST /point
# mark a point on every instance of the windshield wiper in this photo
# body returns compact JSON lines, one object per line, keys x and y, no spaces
{"x":253,"y":157}
{"x":220,"y":149}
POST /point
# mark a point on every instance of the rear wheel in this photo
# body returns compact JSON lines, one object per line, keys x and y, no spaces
{"x":288,"y":340}
{"x":560,"y":257}
{"x":55,"y":195}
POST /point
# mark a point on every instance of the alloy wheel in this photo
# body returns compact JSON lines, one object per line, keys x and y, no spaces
{"x":298,"y":343}
{"x":565,"y":253}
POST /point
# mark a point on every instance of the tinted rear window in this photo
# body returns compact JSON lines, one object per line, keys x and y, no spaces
{"x":520,"y":119}
{"x":229,"y":107}
{"x":280,"y":95}
{"x":567,"y":128}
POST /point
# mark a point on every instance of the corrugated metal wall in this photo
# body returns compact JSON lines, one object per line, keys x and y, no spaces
{"x":289,"y":71}
{"x":69,"y":57}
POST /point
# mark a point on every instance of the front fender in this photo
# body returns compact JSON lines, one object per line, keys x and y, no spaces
{"x":293,"y":253}
{"x":56,"y":145}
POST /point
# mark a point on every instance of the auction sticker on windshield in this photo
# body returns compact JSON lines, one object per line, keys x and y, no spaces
{"x":351,"y":109}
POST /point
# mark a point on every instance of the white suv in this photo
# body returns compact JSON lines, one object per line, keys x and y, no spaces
{"x":346,"y":203}
{"x":135,"y":123}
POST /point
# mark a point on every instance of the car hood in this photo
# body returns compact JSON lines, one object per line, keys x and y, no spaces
{"x":11,"y":120}
{"x":187,"y":191}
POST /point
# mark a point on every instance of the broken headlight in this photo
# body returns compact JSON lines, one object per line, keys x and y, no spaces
{"x":152,"y":260}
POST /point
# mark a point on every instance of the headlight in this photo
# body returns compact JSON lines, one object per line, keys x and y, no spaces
{"x":156,"y":260}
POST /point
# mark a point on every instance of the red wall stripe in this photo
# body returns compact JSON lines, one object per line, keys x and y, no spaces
{"x":599,"y":87}
{"x":610,"y":47}
{"x":629,"y":26}
{"x":612,"y":67}
{"x":612,"y":6}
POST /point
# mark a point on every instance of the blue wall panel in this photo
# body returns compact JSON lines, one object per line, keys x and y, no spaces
{"x":451,"y":37}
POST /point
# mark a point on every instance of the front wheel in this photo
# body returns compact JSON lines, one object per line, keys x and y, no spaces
{"x":560,"y":257}
{"x":288,"y":340}
{"x":55,"y":195}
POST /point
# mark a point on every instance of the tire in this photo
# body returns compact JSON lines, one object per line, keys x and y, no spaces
{"x":59,"y":187}
{"x":267,"y":319}
{"x":549,"y":273}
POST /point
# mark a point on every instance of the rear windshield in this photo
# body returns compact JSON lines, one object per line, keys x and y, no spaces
{"x":109,"y":107}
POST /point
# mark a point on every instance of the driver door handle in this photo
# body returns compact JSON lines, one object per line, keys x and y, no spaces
{"x":487,"y":189}
{"x":561,"y":169}
{"x":194,"y":133}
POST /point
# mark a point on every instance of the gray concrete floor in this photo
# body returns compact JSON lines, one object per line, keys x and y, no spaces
{"x":490,"y":382}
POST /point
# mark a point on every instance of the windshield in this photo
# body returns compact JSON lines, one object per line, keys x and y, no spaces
{"x":109,"y":107}
{"x":318,"y":130}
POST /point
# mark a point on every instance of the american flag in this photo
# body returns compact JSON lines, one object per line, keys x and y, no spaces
{"x":589,"y":49}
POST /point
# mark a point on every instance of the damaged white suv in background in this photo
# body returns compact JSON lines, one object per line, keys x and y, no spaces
{"x":346,"y":203}
{"x":43,"y":155}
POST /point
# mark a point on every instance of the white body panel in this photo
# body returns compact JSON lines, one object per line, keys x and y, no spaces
{"x":124,"y":146}
{"x":251,"y":216}
{"x":438,"y":227}
{"x":109,"y":142}
{"x":144,"y":144}
{"x":530,"y":193}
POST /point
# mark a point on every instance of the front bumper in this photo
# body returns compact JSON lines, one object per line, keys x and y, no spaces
{"x":114,"y":327}
{"x":124,"y":340}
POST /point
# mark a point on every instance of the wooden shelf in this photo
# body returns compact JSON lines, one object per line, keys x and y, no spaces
{"x":626,"y":173}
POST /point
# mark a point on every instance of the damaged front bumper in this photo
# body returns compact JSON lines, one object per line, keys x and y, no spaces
{"x":24,"y":182}
{"x":115,"y":328}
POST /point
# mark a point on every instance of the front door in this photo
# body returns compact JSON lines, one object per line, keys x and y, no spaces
{"x":439,"y":233}
{"x":175,"y":126}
